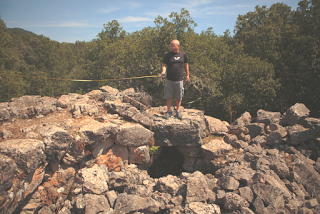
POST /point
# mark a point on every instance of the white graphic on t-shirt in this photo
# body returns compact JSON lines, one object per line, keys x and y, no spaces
{"x":176,"y":58}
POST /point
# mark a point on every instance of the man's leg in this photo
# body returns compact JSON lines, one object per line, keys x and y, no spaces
{"x":179,"y":94}
{"x":169,"y":101}
{"x":178,"y":104}
{"x":168,"y":94}
{"x":168,"y":114}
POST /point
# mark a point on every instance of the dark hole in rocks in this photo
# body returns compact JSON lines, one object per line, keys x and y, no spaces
{"x":243,"y":183}
{"x":170,"y":161}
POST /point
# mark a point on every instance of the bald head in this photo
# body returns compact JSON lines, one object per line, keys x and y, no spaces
{"x":175,"y":41}
{"x":175,"y":45}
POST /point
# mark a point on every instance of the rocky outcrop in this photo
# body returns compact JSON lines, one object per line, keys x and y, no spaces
{"x":111,"y":152}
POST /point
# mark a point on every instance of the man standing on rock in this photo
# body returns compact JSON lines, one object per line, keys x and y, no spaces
{"x":174,"y":62}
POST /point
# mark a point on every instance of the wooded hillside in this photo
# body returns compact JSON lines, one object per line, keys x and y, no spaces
{"x":271,"y":62}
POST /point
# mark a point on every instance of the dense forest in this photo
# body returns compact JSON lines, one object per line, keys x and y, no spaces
{"x":271,"y":62}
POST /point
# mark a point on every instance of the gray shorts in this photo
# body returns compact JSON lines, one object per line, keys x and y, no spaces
{"x":175,"y":88}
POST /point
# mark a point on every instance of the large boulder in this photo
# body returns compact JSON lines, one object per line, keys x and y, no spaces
{"x":131,"y":134}
{"x":8,"y":169}
{"x":267,"y":117}
{"x":312,"y":123}
{"x":57,"y":141}
{"x":28,"y":154}
{"x":197,"y":188}
{"x":298,"y":134}
{"x":242,"y":121}
{"x":215,"y":148}
{"x":294,"y":115}
{"x":216,"y":126}
{"x":95,"y":179}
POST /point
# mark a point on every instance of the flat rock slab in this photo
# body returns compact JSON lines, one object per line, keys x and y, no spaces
{"x":175,"y":132}
{"x":95,"y":131}
{"x":132,"y":134}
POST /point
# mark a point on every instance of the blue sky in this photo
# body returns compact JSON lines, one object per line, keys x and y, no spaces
{"x":80,"y":20}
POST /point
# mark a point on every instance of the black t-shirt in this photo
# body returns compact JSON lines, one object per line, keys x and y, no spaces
{"x":174,"y":62}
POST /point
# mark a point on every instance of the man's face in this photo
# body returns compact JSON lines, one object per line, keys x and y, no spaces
{"x":174,"y":47}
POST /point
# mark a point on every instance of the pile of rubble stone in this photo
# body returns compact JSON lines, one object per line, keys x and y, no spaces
{"x":94,"y":153}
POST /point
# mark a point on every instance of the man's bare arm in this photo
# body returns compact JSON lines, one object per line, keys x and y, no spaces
{"x":186,"y":69}
{"x":164,"y":69}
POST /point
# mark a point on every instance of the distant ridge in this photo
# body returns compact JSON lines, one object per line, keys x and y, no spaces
{"x":21,"y":31}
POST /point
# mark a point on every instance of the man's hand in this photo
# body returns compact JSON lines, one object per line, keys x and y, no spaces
{"x":188,"y":79}
{"x":163,"y":75}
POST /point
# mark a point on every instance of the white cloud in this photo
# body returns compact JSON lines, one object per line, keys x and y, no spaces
{"x":199,"y":2}
{"x":108,"y":10}
{"x":132,"y":4}
{"x":243,"y":5}
{"x":134,"y":19}
{"x":72,"y":24}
